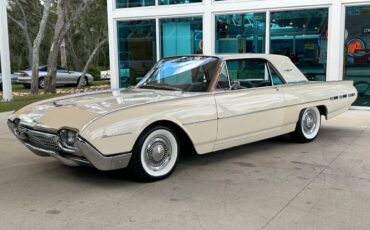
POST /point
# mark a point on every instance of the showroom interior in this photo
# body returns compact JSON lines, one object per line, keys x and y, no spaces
{"x":327,"y":39}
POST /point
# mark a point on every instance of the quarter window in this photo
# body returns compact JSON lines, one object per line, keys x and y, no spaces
{"x":276,"y":79}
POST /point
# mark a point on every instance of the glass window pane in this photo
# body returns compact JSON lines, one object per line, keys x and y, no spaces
{"x":251,"y":73}
{"x":181,"y":36}
{"x":169,"y":2}
{"x":136,"y":50}
{"x":357,"y":51}
{"x":275,"y":77}
{"x":134,"y":3}
{"x":302,"y":35}
{"x":223,"y":80}
{"x":240,"y":33}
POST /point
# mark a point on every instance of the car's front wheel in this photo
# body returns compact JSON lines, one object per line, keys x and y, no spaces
{"x":308,"y":125}
{"x":82,"y":81}
{"x":155,"y":154}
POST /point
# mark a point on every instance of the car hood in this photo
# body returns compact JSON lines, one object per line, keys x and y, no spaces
{"x":77,"y":110}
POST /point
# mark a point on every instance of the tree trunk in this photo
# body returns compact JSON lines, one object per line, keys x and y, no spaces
{"x":62,"y":26}
{"x":36,"y":48}
{"x":71,"y":50}
{"x":97,"y":47}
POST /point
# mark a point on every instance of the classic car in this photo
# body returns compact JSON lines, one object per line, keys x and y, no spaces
{"x":204,"y":103}
{"x":63,"y":77}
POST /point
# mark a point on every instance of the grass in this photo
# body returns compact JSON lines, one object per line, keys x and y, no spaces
{"x":22,"y":97}
{"x":21,"y":101}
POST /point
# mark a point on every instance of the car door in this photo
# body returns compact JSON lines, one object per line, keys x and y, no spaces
{"x":253,"y":108}
{"x":65,"y":77}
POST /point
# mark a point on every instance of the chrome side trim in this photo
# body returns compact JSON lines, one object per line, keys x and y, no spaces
{"x":115,"y":135}
{"x":197,"y":122}
{"x":264,"y":110}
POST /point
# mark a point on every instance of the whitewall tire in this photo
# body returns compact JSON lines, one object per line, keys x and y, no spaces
{"x":308,"y":125}
{"x":155,"y":154}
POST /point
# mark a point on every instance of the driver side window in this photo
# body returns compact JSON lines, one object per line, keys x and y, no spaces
{"x":250,"y":72}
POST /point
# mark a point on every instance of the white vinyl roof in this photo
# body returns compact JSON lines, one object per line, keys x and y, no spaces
{"x":282,"y":64}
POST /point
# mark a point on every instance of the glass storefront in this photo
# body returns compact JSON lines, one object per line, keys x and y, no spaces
{"x":134,"y":3}
{"x":180,"y":36}
{"x":141,"y":3}
{"x":240,"y":33}
{"x":169,"y":2}
{"x":302,"y":35}
{"x":357,"y":51}
{"x":136,"y":50}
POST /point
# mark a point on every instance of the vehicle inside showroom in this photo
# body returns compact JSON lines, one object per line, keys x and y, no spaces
{"x":327,"y":40}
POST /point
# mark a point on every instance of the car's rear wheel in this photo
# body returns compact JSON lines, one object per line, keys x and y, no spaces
{"x":155,"y":154}
{"x":41,"y":83}
{"x":82,"y":81}
{"x":308,"y":125}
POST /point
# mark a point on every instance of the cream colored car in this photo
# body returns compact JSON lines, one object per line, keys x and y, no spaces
{"x":207,"y":103}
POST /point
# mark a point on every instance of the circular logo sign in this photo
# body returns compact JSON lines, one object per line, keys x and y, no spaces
{"x":355,"y":44}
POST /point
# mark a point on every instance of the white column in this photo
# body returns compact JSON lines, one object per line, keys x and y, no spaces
{"x":208,"y":28}
{"x":4,"y":53}
{"x":335,"y":42}
{"x":113,"y":50}
{"x":268,"y":32}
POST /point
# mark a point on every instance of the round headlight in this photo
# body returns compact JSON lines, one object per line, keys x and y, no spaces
{"x":71,"y":138}
{"x":17,"y":129}
{"x":68,"y":137}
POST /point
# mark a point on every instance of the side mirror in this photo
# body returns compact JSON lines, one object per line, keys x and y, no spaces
{"x":235,"y":84}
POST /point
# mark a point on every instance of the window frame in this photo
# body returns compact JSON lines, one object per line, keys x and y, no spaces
{"x":268,"y":65}
{"x":223,"y":65}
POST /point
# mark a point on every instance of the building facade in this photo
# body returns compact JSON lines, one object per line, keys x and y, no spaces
{"x":327,"y":39}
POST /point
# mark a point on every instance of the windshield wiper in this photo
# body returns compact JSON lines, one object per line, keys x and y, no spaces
{"x":157,"y":86}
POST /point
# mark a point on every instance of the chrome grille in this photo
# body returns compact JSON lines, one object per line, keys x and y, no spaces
{"x":41,"y":139}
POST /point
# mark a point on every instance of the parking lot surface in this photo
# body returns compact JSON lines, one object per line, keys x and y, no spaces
{"x":272,"y":184}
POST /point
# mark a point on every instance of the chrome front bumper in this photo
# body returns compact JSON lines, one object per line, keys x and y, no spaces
{"x":85,"y":154}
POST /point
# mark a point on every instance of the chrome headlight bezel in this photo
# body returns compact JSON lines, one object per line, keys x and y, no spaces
{"x":16,"y":129}
{"x":68,"y":138}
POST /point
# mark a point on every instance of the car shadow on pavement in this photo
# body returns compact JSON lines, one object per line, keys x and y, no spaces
{"x":190,"y":159}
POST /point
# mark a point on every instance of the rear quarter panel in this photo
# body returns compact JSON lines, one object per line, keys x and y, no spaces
{"x":336,"y":97}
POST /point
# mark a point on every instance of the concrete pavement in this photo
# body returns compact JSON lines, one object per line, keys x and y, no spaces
{"x":273,"y":184}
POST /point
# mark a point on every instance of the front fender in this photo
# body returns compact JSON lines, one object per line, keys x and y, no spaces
{"x":118,"y":131}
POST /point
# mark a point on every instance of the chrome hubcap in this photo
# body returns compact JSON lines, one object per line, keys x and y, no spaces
{"x":83,"y":83}
{"x":158,"y":153}
{"x":309,"y":121}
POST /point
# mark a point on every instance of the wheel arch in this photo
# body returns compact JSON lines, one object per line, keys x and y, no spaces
{"x":182,"y":135}
{"x":323,"y":110}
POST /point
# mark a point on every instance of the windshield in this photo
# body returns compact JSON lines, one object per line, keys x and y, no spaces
{"x":190,"y":73}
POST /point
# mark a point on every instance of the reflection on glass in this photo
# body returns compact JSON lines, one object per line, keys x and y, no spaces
{"x":192,"y":74}
{"x":302,"y":35}
{"x":357,"y":51}
{"x":134,"y":3}
{"x":169,"y":2}
{"x":180,"y":36}
{"x":136,"y":50}
{"x":240,"y":33}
